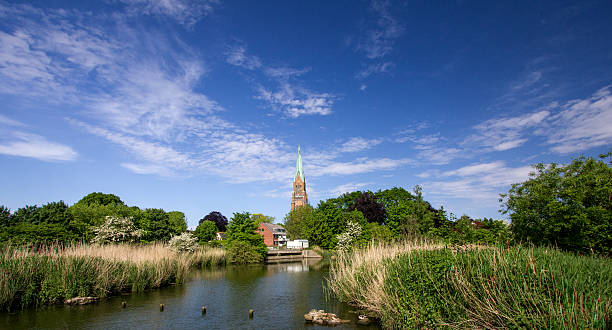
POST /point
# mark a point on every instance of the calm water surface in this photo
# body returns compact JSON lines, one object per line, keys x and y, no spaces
{"x":280,"y":295}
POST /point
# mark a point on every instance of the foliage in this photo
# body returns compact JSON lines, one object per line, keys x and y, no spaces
{"x":177,"y":222}
{"x":26,"y":214}
{"x":349,"y":237}
{"x":371,"y":209}
{"x":100,"y":199}
{"x":378,"y":233}
{"x":427,"y":286}
{"x":259,"y":218}
{"x":85,"y":217}
{"x":242,"y":229}
{"x":5,"y":216}
{"x":295,"y":221}
{"x":242,"y":252}
{"x":206,"y":231}
{"x":116,"y":230}
{"x":185,"y":242}
{"x":324,"y":224}
{"x":569,"y":206}
{"x":155,"y":225}
{"x":27,"y":233}
{"x":219,"y":219}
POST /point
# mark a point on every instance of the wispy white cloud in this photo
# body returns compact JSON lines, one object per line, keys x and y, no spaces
{"x":581,"y":124}
{"x":573,"y":126}
{"x":359,"y":144}
{"x":361,"y":165}
{"x":237,"y":55}
{"x":152,"y":108}
{"x":505,"y":133}
{"x":285,"y":72}
{"x":378,"y":42}
{"x":295,"y":101}
{"x":375,"y":68}
{"x":480,"y":182}
{"x":186,"y":12}
{"x":10,"y":122}
{"x":35,"y":146}
{"x":348,"y":187}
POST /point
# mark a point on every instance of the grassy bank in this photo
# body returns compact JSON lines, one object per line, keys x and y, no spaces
{"x":424,"y":285}
{"x":53,"y":274}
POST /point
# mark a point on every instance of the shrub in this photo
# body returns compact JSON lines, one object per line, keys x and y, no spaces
{"x":185,"y":242}
{"x":241,"y":252}
{"x":206,"y":231}
{"x":349,"y":237}
{"x":116,"y":230}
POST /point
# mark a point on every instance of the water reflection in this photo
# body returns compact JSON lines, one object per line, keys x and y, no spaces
{"x":279,"y":293}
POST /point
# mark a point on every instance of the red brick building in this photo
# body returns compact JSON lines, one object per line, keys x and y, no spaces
{"x":274,"y":235}
{"x":299,"y":196}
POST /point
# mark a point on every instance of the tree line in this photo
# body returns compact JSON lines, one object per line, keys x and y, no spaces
{"x":565,"y":206}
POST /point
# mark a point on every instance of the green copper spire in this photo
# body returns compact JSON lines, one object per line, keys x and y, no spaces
{"x":298,"y":166}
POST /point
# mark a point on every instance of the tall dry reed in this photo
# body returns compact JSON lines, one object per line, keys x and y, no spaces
{"x":32,"y":277}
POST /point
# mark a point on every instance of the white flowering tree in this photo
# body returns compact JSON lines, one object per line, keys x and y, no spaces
{"x":185,"y":242}
{"x":349,"y":236}
{"x":116,"y":230}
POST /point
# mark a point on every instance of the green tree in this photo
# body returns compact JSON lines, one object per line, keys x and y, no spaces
{"x":101,"y":199}
{"x":295,"y":221}
{"x":5,"y":216}
{"x":26,"y":214}
{"x":155,"y":225}
{"x":569,"y":206}
{"x":177,"y":222}
{"x":324,"y":224}
{"x":241,"y":228}
{"x":206,"y":231}
{"x":85,"y":216}
{"x":259,"y":218}
{"x":371,"y":209}
{"x":55,"y":212}
{"x":219,"y":219}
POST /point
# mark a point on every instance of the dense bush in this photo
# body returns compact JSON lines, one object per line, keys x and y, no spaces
{"x":569,"y":206}
{"x":242,"y":252}
{"x":206,"y":231}
{"x":185,"y":242}
{"x":241,"y":229}
{"x":116,"y":230}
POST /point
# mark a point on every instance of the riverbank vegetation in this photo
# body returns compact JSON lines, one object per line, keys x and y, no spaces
{"x":425,"y":285}
{"x":549,"y":268}
{"x":52,"y":274}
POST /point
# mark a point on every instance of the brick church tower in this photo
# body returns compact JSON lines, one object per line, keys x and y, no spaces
{"x":299,"y":196}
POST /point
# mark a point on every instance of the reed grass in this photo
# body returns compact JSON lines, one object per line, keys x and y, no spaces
{"x":52,"y":274}
{"x":425,"y":285}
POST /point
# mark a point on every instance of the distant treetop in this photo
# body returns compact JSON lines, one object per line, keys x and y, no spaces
{"x":101,"y":199}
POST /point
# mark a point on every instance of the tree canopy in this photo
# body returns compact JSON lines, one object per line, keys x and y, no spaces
{"x":219,"y":219}
{"x":568,"y":206}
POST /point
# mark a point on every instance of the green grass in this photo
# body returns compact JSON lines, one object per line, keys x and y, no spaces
{"x":34,"y":278}
{"x":494,"y":287}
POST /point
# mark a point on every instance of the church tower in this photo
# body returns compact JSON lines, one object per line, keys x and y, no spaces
{"x":299,"y":197}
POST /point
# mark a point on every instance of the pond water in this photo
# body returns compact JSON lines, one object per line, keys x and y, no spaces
{"x":279,"y":294}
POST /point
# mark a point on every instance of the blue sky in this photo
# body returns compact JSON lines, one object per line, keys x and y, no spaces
{"x":200,"y":105}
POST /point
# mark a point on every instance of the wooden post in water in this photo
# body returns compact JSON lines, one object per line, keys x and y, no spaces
{"x":250,"y":313}
{"x":161,"y":307}
{"x":123,"y":304}
{"x":203,"y":310}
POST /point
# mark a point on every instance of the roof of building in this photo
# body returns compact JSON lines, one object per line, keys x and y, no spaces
{"x":272,"y":227}
{"x":298,"y":166}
